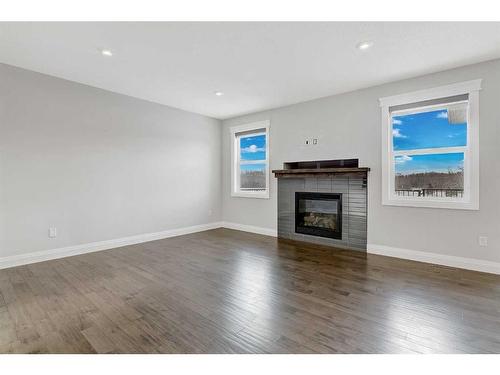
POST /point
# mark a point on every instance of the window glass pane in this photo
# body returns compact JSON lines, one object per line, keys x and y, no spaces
{"x":434,"y":175}
{"x":253,"y":147}
{"x":446,"y":127}
{"x":253,"y":177}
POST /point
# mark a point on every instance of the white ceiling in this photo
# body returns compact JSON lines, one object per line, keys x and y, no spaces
{"x":257,"y":65}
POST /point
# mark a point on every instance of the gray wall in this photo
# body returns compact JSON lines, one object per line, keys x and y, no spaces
{"x":98,"y":165}
{"x":348,"y":126}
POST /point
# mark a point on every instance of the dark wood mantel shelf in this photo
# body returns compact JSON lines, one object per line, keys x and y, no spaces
{"x":315,"y":171}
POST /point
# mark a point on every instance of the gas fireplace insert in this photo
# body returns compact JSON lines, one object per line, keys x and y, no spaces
{"x":318,"y":214}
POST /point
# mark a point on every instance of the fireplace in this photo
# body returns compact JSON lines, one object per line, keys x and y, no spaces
{"x":318,"y":214}
{"x":323,"y":202}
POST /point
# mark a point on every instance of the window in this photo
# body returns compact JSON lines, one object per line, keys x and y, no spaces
{"x":430,"y":155}
{"x":250,"y":160}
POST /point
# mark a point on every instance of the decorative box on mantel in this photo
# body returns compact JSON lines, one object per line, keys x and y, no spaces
{"x":324,"y":202}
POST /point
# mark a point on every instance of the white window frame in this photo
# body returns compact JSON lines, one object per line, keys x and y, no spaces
{"x":470,"y":199}
{"x":235,"y":159}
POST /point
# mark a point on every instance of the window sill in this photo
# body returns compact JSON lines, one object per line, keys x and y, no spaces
{"x":260,"y":195}
{"x":432,"y":203}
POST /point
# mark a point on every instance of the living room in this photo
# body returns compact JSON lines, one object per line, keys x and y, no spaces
{"x":249,"y":187}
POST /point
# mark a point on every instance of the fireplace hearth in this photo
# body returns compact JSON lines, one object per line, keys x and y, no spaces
{"x":318,"y":214}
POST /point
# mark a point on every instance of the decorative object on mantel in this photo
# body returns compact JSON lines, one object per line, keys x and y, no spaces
{"x":324,"y":202}
{"x":292,"y":169}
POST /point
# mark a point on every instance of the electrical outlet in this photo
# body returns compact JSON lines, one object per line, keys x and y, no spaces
{"x":52,"y":232}
{"x":483,"y":241}
{"x":315,"y":141}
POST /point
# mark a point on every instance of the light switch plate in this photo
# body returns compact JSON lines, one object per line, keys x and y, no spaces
{"x":483,"y":241}
{"x":52,"y":232}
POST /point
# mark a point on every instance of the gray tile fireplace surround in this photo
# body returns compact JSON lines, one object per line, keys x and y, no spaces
{"x":352,"y":186}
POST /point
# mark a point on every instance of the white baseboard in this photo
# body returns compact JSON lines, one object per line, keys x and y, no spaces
{"x":420,"y":256}
{"x":251,"y":229}
{"x":41,"y":256}
{"x":441,"y":259}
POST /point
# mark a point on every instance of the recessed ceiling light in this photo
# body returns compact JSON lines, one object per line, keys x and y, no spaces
{"x":218,"y":93}
{"x":106,"y":52}
{"x":364,"y":45}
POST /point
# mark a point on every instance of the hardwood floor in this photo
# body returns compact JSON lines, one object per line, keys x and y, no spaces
{"x":224,"y":291}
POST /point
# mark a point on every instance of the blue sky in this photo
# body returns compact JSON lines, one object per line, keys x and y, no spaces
{"x":253,"y":167}
{"x":429,"y":163}
{"x":253,"y":147}
{"x":427,"y":130}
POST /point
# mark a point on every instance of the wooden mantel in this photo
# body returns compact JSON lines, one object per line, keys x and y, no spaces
{"x":296,"y":172}
{"x":319,"y":167}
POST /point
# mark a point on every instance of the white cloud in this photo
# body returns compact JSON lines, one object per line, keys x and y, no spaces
{"x":396,"y":133}
{"x":395,"y":121}
{"x":443,"y":114}
{"x":403,"y":159}
{"x":252,"y":149}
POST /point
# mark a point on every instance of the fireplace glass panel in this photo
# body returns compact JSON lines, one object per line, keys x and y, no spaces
{"x":318,"y":214}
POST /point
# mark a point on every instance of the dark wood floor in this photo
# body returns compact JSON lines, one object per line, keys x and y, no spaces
{"x":224,"y":291}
